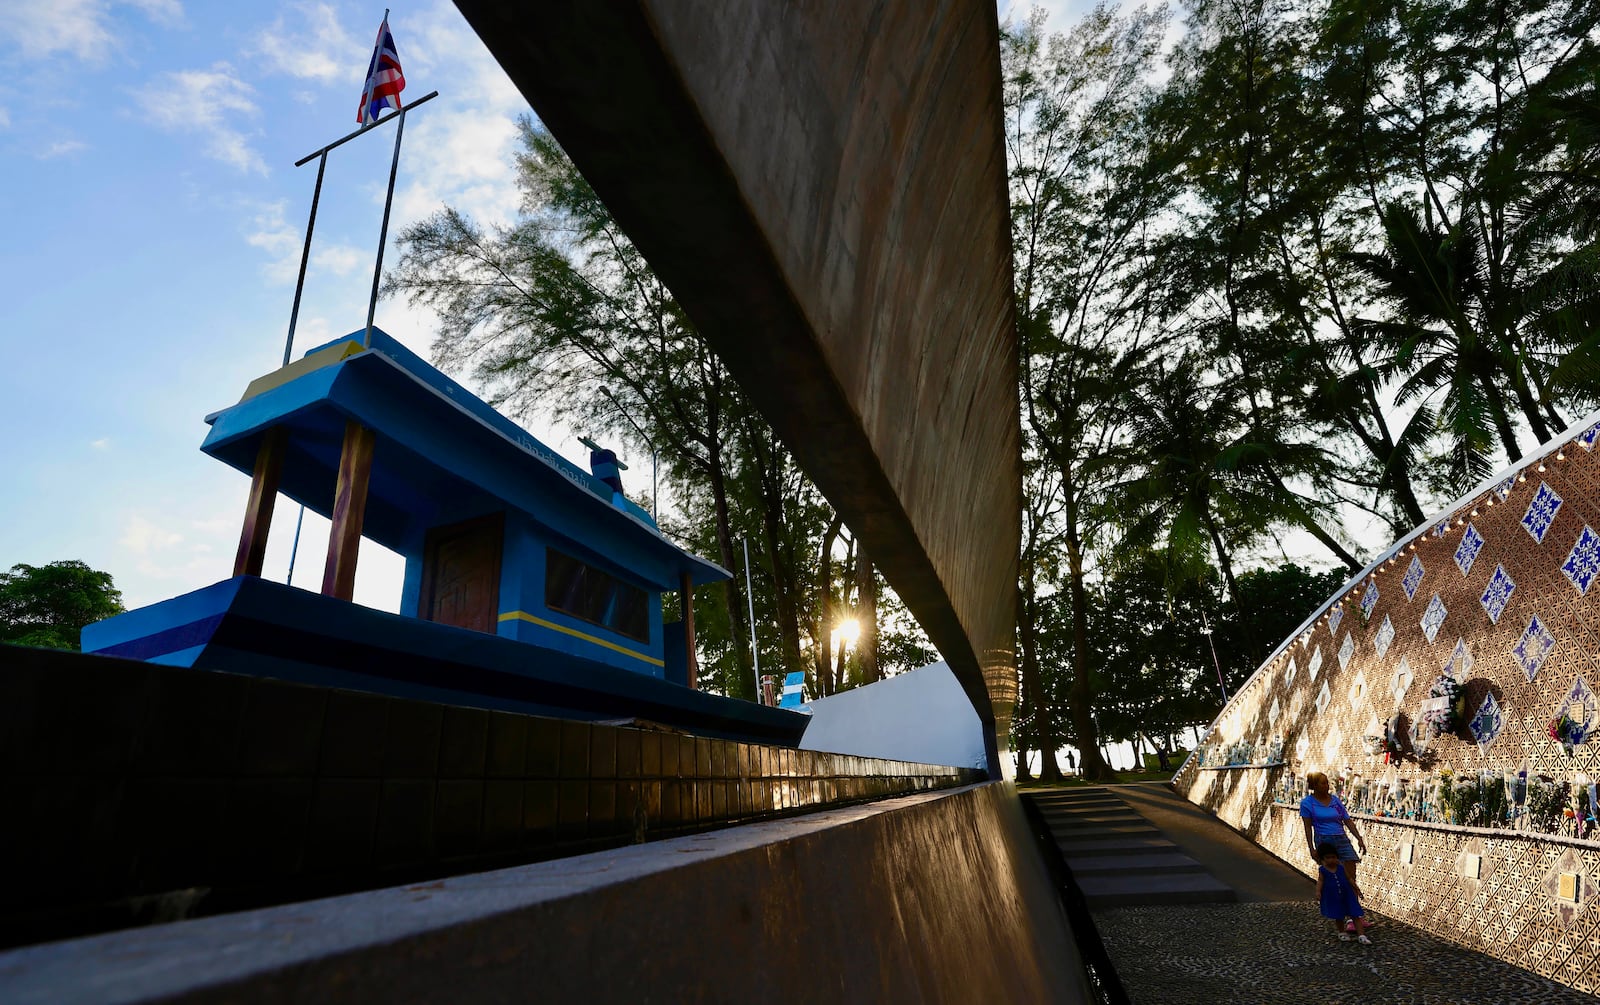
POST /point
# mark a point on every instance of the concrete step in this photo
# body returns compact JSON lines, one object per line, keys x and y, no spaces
{"x":1125,"y":846}
{"x":1102,"y":832}
{"x":1098,"y":816}
{"x":1146,"y":864}
{"x":1114,"y":890}
{"x":1061,"y":798}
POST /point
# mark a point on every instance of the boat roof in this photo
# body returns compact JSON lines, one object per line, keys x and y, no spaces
{"x":442,"y":454}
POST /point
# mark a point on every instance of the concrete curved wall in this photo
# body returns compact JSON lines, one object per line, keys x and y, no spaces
{"x":939,"y":898}
{"x":823,"y":187}
{"x":1501,"y":592}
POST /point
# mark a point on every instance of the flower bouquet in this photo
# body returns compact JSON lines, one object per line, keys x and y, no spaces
{"x":1566,"y":730}
{"x":1442,"y":710}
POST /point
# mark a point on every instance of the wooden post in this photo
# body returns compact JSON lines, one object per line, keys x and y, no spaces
{"x":258,"y":511}
{"x":686,"y":604}
{"x":349,"y":506}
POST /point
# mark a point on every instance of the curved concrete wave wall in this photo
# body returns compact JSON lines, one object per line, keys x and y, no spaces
{"x":1498,"y":594}
{"x":823,"y":187}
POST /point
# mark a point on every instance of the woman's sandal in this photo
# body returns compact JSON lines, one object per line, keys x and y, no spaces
{"x":1363,"y":940}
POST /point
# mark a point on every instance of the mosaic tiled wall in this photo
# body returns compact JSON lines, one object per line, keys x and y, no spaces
{"x":1450,"y":655}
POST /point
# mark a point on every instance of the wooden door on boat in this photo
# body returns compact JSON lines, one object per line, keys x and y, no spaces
{"x":461,"y":574}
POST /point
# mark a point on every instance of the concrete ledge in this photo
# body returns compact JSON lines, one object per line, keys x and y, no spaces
{"x":946,"y":896}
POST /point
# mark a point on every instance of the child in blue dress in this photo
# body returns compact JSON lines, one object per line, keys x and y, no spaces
{"x":1339,"y":896}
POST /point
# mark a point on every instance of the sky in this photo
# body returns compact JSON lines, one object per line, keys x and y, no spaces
{"x":153,"y":221}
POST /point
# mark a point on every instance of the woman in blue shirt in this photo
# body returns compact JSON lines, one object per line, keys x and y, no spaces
{"x":1326,"y":820}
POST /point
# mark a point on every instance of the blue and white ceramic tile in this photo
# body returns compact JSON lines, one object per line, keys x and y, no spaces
{"x":1347,"y":649}
{"x":1323,"y":697}
{"x":1580,"y":704}
{"x":1487,"y":722}
{"x":1497,"y":594}
{"x":1588,"y":436}
{"x":1504,"y":488}
{"x":1413,"y":578}
{"x":1315,"y":664}
{"x":1288,"y":673}
{"x":1440,"y":529}
{"x":1583,"y":562}
{"x":1369,"y":599}
{"x":1385,"y":636}
{"x":1460,"y":662}
{"x":1532,"y":649}
{"x":1272,"y":713}
{"x":1334,"y":617}
{"x":1541,"y":512}
{"x":1433,"y":617}
{"x":1467,"y":550}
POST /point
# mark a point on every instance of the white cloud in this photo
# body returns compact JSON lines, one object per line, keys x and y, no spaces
{"x":339,"y":259}
{"x":142,"y":537}
{"x":61,"y":148}
{"x":279,"y":239}
{"x":103,"y":443}
{"x":77,"y":28}
{"x":5,"y":118}
{"x":316,"y":47}
{"x":165,"y":12}
{"x":208,"y":102}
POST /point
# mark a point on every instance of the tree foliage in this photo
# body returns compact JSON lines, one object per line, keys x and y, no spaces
{"x":48,"y":605}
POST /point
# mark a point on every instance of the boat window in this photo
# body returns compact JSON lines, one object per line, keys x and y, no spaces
{"x":585,"y":592}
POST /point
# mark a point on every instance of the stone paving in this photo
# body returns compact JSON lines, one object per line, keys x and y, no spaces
{"x":1269,"y":952}
{"x":1274,"y":946}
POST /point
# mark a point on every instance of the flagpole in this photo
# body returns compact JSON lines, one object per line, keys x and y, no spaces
{"x":305,"y":255}
{"x":383,"y":233}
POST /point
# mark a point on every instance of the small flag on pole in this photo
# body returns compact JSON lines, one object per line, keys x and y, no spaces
{"x":384,"y":79}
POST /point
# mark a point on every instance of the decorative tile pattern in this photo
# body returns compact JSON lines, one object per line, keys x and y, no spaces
{"x":1414,"y":573}
{"x":1504,"y":488}
{"x":1323,"y":697}
{"x":1497,"y":594}
{"x":1467,"y":550}
{"x":1534,"y":646}
{"x":1441,"y":528}
{"x":1315,"y":664}
{"x":1288,"y":674}
{"x":1433,"y":617}
{"x":1331,"y":746}
{"x":1272,"y":714}
{"x":1385,"y":636}
{"x":1487,"y":722}
{"x":1588,"y":436}
{"x":1347,"y":649}
{"x":1400,"y":683}
{"x":1369,"y":599}
{"x":1358,"y":691}
{"x":1334,"y":617}
{"x":1460,"y":662}
{"x":1567,"y":904}
{"x":1580,"y":705}
{"x":1302,"y":747}
{"x":1541,"y":512}
{"x":1583,"y":562}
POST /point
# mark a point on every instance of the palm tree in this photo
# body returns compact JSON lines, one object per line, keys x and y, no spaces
{"x":1211,"y":477}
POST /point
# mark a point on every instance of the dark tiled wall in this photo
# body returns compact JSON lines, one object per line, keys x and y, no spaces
{"x":127,"y":781}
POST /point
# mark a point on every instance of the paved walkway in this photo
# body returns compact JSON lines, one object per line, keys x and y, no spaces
{"x":1272,"y":945}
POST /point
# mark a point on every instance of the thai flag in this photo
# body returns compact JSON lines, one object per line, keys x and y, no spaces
{"x":384,"y":79}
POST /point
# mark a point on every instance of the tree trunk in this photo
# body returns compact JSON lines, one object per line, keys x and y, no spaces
{"x":822,"y":631}
{"x":1091,"y":765}
{"x":784,"y":587}
{"x":1049,"y":767}
{"x":743,"y":684}
{"x":867,"y":615}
